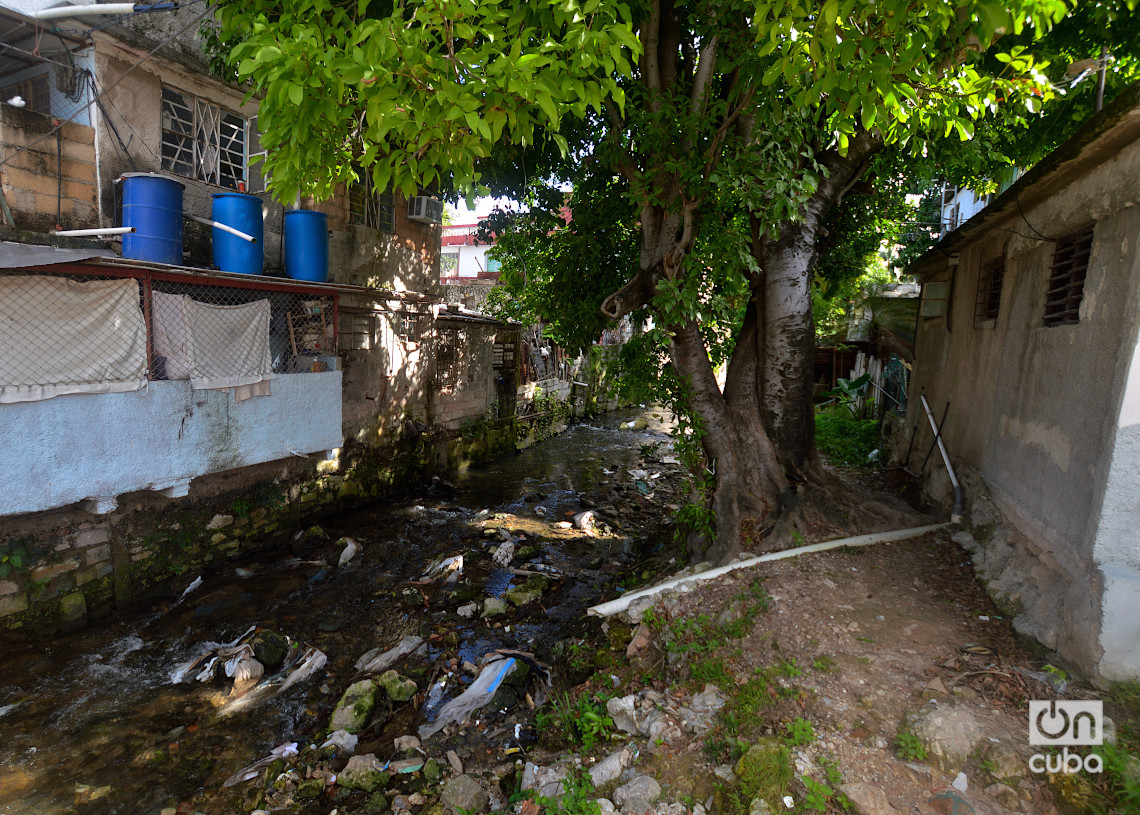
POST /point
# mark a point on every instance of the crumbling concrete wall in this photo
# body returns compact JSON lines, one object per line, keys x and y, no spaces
{"x":1033,"y":408}
{"x":40,"y":183}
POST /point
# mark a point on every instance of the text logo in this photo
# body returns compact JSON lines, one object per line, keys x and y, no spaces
{"x":1056,"y":724}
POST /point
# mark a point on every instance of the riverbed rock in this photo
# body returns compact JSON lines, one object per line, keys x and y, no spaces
{"x":405,"y":743}
{"x":1004,"y":795}
{"x":1004,"y":763}
{"x":527,"y":592}
{"x":270,"y":648}
{"x":355,"y":707}
{"x":949,"y":735}
{"x":493,"y":607}
{"x":868,"y":799}
{"x":638,"y":795}
{"x":399,"y":688}
{"x":463,"y":794}
{"x":364,"y":772}
{"x":468,"y":611}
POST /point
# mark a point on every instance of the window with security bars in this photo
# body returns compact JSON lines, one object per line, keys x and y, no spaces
{"x":449,"y":264}
{"x":989,"y":293}
{"x":447,"y":358}
{"x":410,"y":328}
{"x":202,"y":141}
{"x":1067,"y":278}
{"x":369,"y":208}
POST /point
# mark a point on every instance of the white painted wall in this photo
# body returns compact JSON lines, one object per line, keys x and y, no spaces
{"x":63,"y":450}
{"x":1117,"y":546}
{"x":471,"y":259}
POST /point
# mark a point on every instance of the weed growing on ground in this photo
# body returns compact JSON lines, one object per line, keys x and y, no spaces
{"x":578,"y":797}
{"x":762,"y":772}
{"x":824,"y":664}
{"x":909,"y":748}
{"x":845,"y":440}
{"x":800,"y":733}
{"x":583,"y":723}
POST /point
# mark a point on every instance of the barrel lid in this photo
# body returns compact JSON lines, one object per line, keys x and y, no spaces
{"x":236,"y":195}
{"x":151,"y":175}
{"x":307,"y":212}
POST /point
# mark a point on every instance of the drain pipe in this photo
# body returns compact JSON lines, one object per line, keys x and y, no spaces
{"x":622,"y":603}
{"x":956,"y":512}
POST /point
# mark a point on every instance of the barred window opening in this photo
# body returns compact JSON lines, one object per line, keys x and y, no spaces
{"x":202,"y":141}
{"x":1067,"y":278}
{"x":989,"y":293}
{"x":368,"y":208}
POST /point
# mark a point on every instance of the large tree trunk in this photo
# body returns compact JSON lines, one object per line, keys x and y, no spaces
{"x":786,"y":382}
{"x":749,"y":480}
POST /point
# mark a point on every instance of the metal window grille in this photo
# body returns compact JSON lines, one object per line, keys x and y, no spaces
{"x":410,"y":327}
{"x":989,"y":293}
{"x":447,"y":359}
{"x":503,"y":355}
{"x":369,"y":208}
{"x":202,"y":141}
{"x":207,"y":327}
{"x":1067,"y":278}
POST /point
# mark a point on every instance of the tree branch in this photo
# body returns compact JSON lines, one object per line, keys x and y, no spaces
{"x":650,"y":58}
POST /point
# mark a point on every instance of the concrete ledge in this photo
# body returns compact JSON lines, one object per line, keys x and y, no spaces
{"x":98,"y":446}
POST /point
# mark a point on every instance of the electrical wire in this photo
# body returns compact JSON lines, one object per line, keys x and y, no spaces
{"x":51,"y":133}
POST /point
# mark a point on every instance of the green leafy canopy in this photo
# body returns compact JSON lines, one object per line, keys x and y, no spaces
{"x":416,"y":93}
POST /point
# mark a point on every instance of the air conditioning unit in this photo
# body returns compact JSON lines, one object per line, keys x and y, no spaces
{"x":425,"y":209}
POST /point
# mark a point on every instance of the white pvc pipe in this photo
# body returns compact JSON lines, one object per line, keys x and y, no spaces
{"x":622,"y":603}
{"x":84,"y":233}
{"x":223,"y":227}
{"x":89,"y":8}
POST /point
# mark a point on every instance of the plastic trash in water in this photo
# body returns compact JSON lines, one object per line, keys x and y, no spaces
{"x":195,"y":583}
{"x":480,"y":693}
{"x":504,"y":554}
{"x":351,"y":547}
{"x":254,"y":769}
{"x":343,"y":741}
{"x":376,"y":660}
{"x":311,"y":662}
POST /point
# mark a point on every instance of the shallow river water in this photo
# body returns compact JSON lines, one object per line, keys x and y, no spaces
{"x":91,"y":723}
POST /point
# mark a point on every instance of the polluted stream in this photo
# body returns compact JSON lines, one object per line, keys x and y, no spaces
{"x":93,"y":722}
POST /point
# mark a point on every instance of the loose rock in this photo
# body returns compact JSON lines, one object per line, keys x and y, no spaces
{"x":638,"y":795}
{"x":464,"y":794}
{"x":363,"y":773}
{"x":355,"y":707}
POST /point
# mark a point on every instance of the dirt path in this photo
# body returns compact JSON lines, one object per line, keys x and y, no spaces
{"x":854,"y":642}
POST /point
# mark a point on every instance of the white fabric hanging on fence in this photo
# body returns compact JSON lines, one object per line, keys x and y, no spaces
{"x":61,"y":336}
{"x":215,"y":347}
{"x":170,"y":334}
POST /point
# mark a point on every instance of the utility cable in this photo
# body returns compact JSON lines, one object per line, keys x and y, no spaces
{"x":109,"y":88}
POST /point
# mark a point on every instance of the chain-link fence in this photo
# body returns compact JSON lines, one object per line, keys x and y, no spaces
{"x":110,"y":331}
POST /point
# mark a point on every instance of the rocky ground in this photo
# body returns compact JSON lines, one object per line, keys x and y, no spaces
{"x":874,"y":680}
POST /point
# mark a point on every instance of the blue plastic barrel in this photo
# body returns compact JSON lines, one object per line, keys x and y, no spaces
{"x":306,"y":245}
{"x":243,"y":213}
{"x":152,"y":204}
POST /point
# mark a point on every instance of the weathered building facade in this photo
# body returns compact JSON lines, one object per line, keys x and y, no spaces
{"x":163,"y":416}
{"x":1028,"y":331}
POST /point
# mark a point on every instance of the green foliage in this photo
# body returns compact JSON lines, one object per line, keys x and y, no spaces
{"x":578,"y":796}
{"x":14,"y":559}
{"x":799,"y":732}
{"x":816,"y":795}
{"x":908,"y":747}
{"x":416,"y":94}
{"x":583,"y":723}
{"x":764,"y":773}
{"x":844,"y":439}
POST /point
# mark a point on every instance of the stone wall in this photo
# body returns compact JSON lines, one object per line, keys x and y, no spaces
{"x":31,"y":177}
